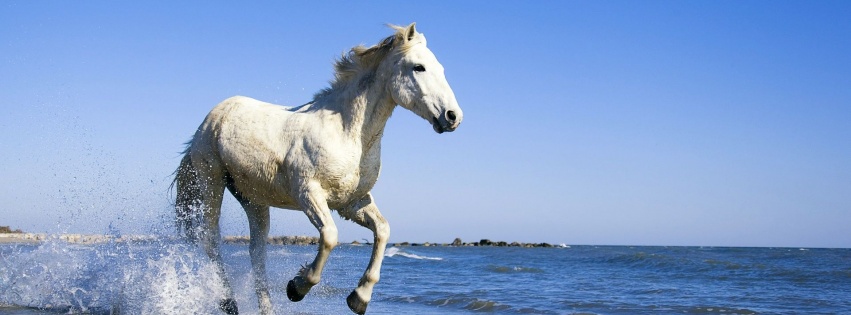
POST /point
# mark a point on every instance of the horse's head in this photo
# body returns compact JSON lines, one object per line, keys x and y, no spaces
{"x":417,"y":83}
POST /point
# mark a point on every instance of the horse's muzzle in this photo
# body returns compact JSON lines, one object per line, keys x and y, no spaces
{"x":435,"y":123}
{"x":449,"y":122}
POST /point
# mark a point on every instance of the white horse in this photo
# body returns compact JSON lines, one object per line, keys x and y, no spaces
{"x":318,"y":157}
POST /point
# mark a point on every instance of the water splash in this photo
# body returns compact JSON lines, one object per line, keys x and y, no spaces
{"x":149,"y":278}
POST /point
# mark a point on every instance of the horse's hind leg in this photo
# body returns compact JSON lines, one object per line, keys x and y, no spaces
{"x":213,"y":187}
{"x":258,"y":224}
{"x":314,"y":204}
{"x":365,"y":213}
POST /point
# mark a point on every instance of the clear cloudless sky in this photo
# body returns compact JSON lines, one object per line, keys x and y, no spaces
{"x":718,"y":123}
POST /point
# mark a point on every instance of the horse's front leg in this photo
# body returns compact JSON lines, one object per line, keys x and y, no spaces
{"x":365,"y":213}
{"x":314,"y":204}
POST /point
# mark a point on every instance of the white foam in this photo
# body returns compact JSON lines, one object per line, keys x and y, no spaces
{"x":168,"y":279}
{"x":178,"y":281}
{"x":393,"y":251}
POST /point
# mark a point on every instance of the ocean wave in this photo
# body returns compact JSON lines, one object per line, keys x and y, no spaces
{"x":593,"y":308}
{"x":513,"y":269}
{"x":648,"y":260}
{"x":486,"y":306}
{"x":394,"y":251}
{"x":469,"y":303}
{"x":717,"y":310}
{"x":664,"y":262}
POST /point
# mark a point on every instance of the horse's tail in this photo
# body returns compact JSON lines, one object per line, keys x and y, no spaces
{"x":187,"y":203}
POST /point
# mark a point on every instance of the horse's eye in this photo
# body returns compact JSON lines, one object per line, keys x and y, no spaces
{"x":419,"y":68}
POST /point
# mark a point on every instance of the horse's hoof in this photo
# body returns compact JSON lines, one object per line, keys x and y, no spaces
{"x":292,"y":292}
{"x":229,"y":306}
{"x":356,"y":304}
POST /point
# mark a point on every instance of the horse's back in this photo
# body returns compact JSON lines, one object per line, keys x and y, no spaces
{"x":246,"y":110}
{"x":241,"y":139}
{"x":237,"y":119}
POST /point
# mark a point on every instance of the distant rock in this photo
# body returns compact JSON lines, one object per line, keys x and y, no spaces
{"x":275,"y":240}
{"x":6,"y":229}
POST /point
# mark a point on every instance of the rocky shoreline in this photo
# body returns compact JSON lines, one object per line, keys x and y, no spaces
{"x":274,"y":240}
{"x":93,"y":239}
{"x":484,"y":242}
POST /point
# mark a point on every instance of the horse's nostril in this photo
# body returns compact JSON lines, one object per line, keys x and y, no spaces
{"x":450,"y":116}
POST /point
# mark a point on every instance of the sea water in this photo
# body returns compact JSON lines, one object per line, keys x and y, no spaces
{"x":173,"y":278}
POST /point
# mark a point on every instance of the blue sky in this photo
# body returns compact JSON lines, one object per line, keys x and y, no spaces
{"x":719,"y":123}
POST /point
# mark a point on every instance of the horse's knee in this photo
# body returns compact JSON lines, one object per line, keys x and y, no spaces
{"x":328,"y":237}
{"x":382,"y":230}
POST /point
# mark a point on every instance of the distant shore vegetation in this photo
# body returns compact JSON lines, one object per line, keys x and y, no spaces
{"x":7,"y":229}
{"x":18,"y":236}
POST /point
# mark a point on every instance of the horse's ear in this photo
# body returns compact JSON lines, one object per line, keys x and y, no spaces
{"x":410,"y":31}
{"x":404,"y":34}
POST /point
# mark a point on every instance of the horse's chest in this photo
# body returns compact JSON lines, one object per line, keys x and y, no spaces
{"x":353,"y":179}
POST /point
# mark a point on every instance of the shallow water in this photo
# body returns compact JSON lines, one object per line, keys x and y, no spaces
{"x":172,"y":278}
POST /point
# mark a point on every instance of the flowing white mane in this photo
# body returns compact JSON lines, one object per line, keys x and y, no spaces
{"x":362,"y":59}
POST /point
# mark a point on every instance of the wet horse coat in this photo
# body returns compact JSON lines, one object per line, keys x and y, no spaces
{"x":321,"y":156}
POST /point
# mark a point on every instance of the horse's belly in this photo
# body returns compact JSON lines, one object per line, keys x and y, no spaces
{"x":338,"y":194}
{"x":265,"y":194}
{"x":348,"y":188}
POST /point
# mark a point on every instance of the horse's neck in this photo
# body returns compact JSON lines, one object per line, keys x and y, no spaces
{"x":364,"y":109}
